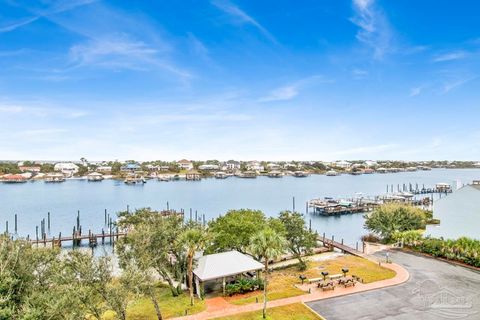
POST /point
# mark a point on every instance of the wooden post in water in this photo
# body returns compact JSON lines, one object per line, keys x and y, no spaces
{"x":128,"y":208}
{"x":293,"y":203}
{"x":310,"y":225}
{"x":356,"y":246}
{"x":168,"y":206}
{"x":6,"y":227}
{"x":306,"y":207}
{"x":78,"y":219}
{"x":196,"y":216}
{"x":16,"y":224}
{"x":36,"y":233}
{"x":48,"y":221}
{"x":105,"y":218}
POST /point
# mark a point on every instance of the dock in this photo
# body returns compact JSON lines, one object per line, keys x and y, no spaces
{"x":331,"y":244}
{"x":331,"y":207}
{"x":76,"y":239}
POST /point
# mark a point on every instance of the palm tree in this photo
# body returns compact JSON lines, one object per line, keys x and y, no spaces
{"x":193,"y":240}
{"x":267,"y":245}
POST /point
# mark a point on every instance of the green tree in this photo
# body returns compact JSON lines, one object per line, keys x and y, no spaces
{"x":268,"y":245}
{"x":116,"y":166}
{"x":47,"y":168}
{"x":234,"y":230}
{"x":300,"y":240}
{"x":153,"y":237}
{"x":391,"y":218}
{"x":193,"y":239}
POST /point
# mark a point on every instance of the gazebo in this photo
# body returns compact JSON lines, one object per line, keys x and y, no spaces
{"x":223,"y":266}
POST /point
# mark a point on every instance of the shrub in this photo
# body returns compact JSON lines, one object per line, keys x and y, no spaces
{"x":409,"y":238}
{"x":243,"y":285}
{"x":370,"y":238}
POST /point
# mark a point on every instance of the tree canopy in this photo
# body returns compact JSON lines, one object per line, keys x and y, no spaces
{"x":388,"y":219}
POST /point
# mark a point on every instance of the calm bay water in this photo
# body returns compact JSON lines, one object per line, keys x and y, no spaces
{"x":212,"y":197}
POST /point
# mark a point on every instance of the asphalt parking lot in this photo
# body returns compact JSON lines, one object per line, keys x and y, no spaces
{"x":435,"y":290}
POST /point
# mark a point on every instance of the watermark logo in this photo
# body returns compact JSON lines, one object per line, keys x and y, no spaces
{"x":443,"y":302}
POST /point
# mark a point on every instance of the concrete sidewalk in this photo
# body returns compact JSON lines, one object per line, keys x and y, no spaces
{"x":219,"y":307}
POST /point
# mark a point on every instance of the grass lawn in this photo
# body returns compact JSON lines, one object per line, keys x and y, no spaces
{"x":296,"y":311}
{"x":142,"y":309}
{"x":282,"y":282}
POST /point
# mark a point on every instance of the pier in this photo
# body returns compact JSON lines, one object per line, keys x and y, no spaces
{"x":331,"y":244}
{"x":76,"y":239}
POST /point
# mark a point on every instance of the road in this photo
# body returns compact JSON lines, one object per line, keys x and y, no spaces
{"x":436,"y":290}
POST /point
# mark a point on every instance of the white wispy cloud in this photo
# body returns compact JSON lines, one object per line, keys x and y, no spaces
{"x":56,"y":7}
{"x":39,"y":109}
{"x":450,"y":56}
{"x":290,"y":91}
{"x":280,"y":94}
{"x":121,"y":52}
{"x":374,"y":29}
{"x":452,"y":84}
{"x":242,"y":17}
{"x":415,"y":91}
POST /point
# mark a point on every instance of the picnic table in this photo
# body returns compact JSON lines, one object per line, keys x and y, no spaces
{"x":326,"y":285}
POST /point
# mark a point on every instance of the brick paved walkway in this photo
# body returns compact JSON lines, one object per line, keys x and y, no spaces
{"x":219,"y":307}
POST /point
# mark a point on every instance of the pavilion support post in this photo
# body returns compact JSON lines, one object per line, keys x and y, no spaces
{"x":223,"y":285}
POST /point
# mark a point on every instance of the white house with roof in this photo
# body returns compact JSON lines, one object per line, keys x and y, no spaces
{"x":67,"y":168}
{"x":342,"y":164}
{"x":104,"y":169}
{"x":232,"y":165}
{"x":273,"y":166}
{"x":185,"y":164}
{"x":255,"y":166}
{"x":208,"y":167}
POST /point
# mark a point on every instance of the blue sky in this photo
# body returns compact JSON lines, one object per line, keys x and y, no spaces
{"x":266,"y":80}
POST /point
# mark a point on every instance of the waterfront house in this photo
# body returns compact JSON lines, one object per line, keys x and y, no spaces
{"x":131,"y":167}
{"x":214,"y":271}
{"x":104,"y":169}
{"x":66,"y":168}
{"x":185,"y":164}
{"x":208,"y":167}
{"x":32,"y":169}
{"x":255,"y":166}
{"x":342,"y":164}
{"x":232,"y":165}
{"x":273,"y":166}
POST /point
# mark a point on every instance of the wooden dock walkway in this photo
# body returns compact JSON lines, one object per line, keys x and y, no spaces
{"x":331,"y":243}
{"x":76,"y":239}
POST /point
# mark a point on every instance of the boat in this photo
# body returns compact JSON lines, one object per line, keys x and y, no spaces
{"x":221,"y":175}
{"x":368,"y":171}
{"x":95,"y":177}
{"x":331,"y":173}
{"x":300,"y":174}
{"x":176,"y":177}
{"x":275,"y":174}
{"x":135,"y":179}
{"x":54,"y":177}
{"x":356,"y":172}
{"x":164,"y":178}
